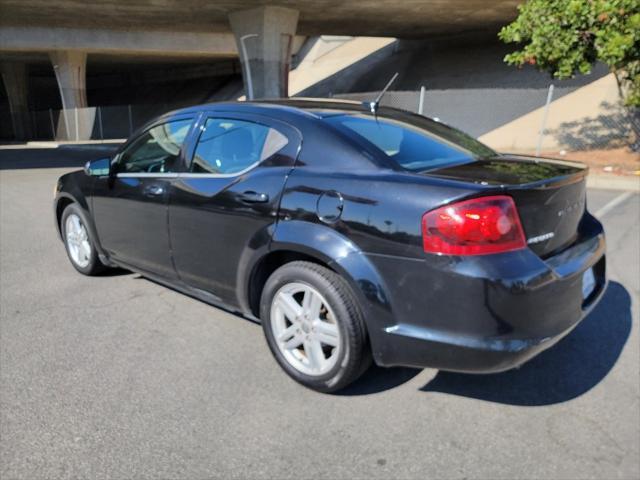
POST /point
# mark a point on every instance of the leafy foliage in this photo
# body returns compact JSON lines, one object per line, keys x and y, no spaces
{"x":566,"y":37}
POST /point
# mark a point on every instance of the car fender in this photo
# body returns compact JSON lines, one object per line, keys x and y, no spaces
{"x":341,"y":254}
{"x":76,"y":196}
{"x":64,"y":196}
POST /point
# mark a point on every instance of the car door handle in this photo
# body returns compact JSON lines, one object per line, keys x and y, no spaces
{"x":153,"y":190}
{"x":254,"y":197}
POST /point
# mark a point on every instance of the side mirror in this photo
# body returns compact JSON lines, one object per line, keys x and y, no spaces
{"x":98,"y":168}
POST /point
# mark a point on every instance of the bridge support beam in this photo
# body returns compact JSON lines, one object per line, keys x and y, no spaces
{"x":264,"y":37}
{"x":70,"y":69}
{"x":16,"y":80}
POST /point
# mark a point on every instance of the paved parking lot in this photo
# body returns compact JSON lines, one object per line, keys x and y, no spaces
{"x":118,"y":377}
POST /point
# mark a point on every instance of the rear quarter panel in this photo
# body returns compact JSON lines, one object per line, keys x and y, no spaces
{"x":380,"y":220}
{"x":381,"y":211}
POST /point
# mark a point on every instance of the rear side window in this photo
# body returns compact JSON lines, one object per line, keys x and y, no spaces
{"x":230,"y":146}
{"x":411,"y":146}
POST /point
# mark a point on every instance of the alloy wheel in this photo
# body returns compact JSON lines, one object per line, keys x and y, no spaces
{"x":305,"y":329}
{"x":77,"y":241}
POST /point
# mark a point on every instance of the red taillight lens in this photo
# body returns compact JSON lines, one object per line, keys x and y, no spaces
{"x":473,"y":227}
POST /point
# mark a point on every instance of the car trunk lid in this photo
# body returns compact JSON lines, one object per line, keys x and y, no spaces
{"x":550,"y":195}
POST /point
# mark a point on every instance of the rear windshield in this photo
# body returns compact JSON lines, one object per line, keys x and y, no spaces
{"x":418,"y":144}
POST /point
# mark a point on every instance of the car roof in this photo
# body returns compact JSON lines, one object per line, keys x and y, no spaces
{"x":314,"y":107}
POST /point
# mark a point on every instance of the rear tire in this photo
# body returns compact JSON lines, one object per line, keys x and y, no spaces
{"x":78,"y":241}
{"x":314,"y":327}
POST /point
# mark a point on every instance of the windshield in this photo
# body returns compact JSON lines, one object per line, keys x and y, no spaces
{"x":422,"y":144}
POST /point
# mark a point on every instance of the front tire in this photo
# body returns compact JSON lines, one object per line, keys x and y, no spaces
{"x":314,"y":327}
{"x":78,"y":242}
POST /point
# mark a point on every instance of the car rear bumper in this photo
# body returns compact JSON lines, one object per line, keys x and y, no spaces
{"x":486,"y":314}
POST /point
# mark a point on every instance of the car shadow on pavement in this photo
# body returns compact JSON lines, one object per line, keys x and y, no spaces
{"x":115,"y":272}
{"x":567,"y":370}
{"x":377,"y":379}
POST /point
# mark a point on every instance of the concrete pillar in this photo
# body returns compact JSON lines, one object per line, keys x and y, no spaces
{"x":70,"y":69}
{"x":16,"y":81}
{"x":264,"y":36}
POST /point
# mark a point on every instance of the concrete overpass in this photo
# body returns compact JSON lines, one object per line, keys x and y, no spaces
{"x":262,"y":34}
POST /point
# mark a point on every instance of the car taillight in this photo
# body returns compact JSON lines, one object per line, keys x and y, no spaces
{"x":473,"y":227}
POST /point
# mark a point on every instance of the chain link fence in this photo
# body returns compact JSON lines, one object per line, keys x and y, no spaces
{"x":516,"y":120}
{"x":521,"y":120}
{"x":91,"y":123}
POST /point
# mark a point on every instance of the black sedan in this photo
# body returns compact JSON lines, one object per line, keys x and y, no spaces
{"x":352,"y":234}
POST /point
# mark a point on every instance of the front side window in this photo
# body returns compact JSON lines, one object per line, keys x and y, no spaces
{"x":155,"y":151}
{"x":229,"y":146}
{"x":413,"y":147}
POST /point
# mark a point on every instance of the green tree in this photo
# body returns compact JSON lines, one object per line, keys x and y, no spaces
{"x":566,"y":37}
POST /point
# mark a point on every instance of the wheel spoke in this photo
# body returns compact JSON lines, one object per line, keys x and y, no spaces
{"x":311,"y":304}
{"x":76,"y":224}
{"x":86,"y":249}
{"x":315,"y":355}
{"x":287,"y":333}
{"x":290,"y":308}
{"x":295,"y":342}
{"x":327,"y":333}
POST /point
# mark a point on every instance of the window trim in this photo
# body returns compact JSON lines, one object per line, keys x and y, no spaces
{"x":147,"y":175}
{"x":184,"y":174}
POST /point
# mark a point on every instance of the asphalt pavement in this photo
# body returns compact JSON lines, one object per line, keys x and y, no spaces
{"x":118,"y":377}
